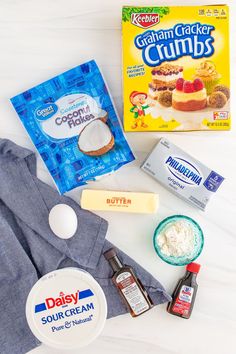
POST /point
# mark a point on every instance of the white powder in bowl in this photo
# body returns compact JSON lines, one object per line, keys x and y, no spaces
{"x":177,"y":239}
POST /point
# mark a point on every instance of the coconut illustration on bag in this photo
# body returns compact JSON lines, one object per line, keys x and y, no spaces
{"x":78,"y":114}
{"x":96,"y":138}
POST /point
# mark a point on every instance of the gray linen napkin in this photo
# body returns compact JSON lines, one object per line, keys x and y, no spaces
{"x":29,"y":249}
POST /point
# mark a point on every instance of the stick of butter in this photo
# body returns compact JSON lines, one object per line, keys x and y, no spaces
{"x":129,"y":202}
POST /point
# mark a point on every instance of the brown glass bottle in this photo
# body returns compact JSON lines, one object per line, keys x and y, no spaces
{"x":129,"y":286}
{"x":185,"y":292}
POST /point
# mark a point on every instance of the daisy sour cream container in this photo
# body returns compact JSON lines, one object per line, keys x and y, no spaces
{"x":66,"y":309}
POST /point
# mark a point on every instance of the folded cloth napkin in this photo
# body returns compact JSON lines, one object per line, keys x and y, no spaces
{"x":29,"y":249}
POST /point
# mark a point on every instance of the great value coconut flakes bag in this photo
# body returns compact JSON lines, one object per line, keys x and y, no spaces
{"x":73,"y":124}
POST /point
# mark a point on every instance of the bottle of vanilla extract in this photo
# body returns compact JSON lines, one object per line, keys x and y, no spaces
{"x":185,"y":292}
{"x":129,"y":286}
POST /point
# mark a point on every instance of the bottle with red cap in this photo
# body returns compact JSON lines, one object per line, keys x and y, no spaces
{"x":185,"y":292}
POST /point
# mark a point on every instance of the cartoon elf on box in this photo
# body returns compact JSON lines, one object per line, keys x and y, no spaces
{"x":138,"y":100}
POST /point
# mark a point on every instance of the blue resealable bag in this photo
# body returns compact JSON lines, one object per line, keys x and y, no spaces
{"x":74,"y":126}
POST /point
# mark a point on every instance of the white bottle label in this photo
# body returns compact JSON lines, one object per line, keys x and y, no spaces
{"x":132,"y":293}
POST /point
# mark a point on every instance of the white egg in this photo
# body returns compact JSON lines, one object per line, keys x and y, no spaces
{"x":63,"y":221}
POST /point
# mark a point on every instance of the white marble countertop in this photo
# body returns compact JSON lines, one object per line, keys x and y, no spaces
{"x":39,"y":39}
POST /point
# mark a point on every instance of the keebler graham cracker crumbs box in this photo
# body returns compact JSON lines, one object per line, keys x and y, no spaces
{"x":176,"y":68}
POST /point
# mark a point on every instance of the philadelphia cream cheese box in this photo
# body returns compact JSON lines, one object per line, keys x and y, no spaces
{"x":182,"y":174}
{"x":66,"y":309}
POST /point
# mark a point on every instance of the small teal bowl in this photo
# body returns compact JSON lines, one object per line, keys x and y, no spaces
{"x":183,"y":260}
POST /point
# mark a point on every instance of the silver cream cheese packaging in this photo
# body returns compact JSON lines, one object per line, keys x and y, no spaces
{"x":182,"y":174}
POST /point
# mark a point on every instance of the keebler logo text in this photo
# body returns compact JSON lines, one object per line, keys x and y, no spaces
{"x":145,"y":20}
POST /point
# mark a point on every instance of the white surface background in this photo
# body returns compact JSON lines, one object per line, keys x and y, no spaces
{"x":43,"y":38}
